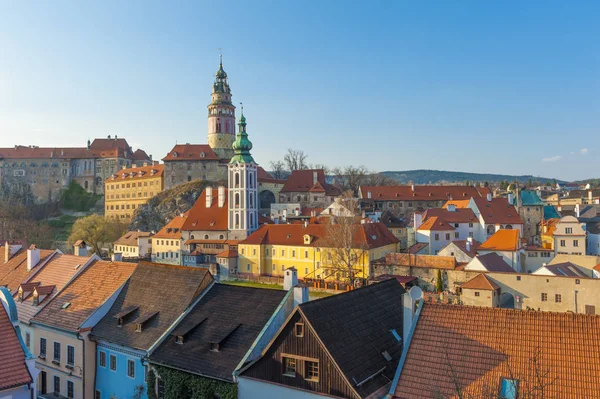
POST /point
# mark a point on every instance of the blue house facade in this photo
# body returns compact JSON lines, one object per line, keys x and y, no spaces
{"x":120,"y":372}
{"x":154,"y":299}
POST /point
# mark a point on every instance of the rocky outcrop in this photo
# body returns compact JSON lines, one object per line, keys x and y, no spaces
{"x":159,"y":210}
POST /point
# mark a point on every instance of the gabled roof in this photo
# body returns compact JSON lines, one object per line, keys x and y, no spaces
{"x":565,"y":269}
{"x":207,"y":219}
{"x":435,"y":224}
{"x":481,"y":282}
{"x":417,"y":247}
{"x":355,"y":328}
{"x":13,"y":369}
{"x":191,"y":152}
{"x":56,"y":273}
{"x":497,"y":211}
{"x":14,"y":272}
{"x":137,"y":173}
{"x":131,"y":238}
{"x":530,"y":198}
{"x":391,"y":220}
{"x":166,"y":289}
{"x":140,"y":155}
{"x":100,"y":148}
{"x":477,"y":345}
{"x":82,"y":297}
{"x":550,"y":212}
{"x":422,"y":193}
{"x":462,"y":246}
{"x":172,"y":230}
{"x":493,"y":263}
{"x":502,"y":240}
{"x":229,"y":315}
{"x":460,"y":215}
{"x":301,"y":181}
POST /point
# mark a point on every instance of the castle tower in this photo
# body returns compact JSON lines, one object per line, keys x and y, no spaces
{"x":221,"y":116}
{"x":243,"y":192}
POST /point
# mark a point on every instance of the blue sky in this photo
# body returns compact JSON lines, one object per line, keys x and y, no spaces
{"x":499,"y":87}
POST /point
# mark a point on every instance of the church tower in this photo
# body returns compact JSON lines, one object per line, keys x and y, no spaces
{"x":221,"y":116}
{"x":243,"y":192}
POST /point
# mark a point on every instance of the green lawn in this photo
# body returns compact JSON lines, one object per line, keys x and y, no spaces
{"x":312,"y":294}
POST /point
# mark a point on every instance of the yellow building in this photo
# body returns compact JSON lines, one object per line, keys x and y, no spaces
{"x":167,"y":244}
{"x":128,"y":189}
{"x":273,"y":248}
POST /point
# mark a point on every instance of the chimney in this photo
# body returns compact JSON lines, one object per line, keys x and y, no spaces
{"x":468,"y":245}
{"x":577,"y":210}
{"x":412,"y":187}
{"x":208,"y":197}
{"x":409,"y":302}
{"x":418,"y":220}
{"x":221,"y":190}
{"x":33,"y":257}
{"x":109,"y":136}
{"x":117,"y":257}
{"x":145,"y":163}
{"x":290,"y":279}
{"x":590,"y":196}
{"x":451,"y":208}
{"x":511,"y":199}
{"x":315,"y":177}
{"x":369,"y":194}
{"x":489,"y":197}
{"x":80,"y":248}
{"x":6,"y":252}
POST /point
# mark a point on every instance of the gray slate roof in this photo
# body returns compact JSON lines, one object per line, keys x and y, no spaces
{"x":166,"y":289}
{"x":494,"y":263}
{"x":231,"y":315}
{"x":355,"y":329}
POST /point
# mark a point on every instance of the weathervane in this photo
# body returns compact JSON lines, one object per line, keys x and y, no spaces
{"x":220,"y":56}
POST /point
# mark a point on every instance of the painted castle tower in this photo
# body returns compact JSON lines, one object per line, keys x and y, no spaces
{"x":221,"y":116}
{"x":243,"y":192}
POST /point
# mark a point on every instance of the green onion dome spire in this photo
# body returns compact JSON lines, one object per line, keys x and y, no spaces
{"x":241,"y":145}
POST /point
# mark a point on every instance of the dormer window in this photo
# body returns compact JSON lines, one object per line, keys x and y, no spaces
{"x":214,"y":346}
{"x":306,"y":239}
{"x":175,"y":155}
{"x":202,"y":155}
{"x":141,"y":322}
{"x":299,"y":330}
{"x":179,"y":339}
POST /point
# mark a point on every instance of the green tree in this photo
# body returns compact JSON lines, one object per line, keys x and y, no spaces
{"x":96,"y":231}
{"x":439,"y":285}
{"x":76,"y":198}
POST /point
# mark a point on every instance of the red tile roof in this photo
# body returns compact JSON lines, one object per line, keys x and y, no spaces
{"x":303,"y":181}
{"x":140,"y":155}
{"x":478,"y":346}
{"x":230,"y":253}
{"x":14,"y":272}
{"x":435,"y":224}
{"x":481,"y":282}
{"x":100,"y":148}
{"x":460,"y":215}
{"x":85,"y":294}
{"x":56,"y":273}
{"x":135,"y":174}
{"x":172,"y":230}
{"x":497,"y":211}
{"x":371,"y":235}
{"x":264,"y":177}
{"x":202,"y":218}
{"x":13,"y":369}
{"x":191,"y":152}
{"x":502,"y":240}
{"x":422,"y":193}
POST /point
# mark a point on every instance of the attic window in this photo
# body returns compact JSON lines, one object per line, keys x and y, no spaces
{"x":214,"y":346}
{"x":396,"y":335}
{"x":288,"y":236}
{"x":179,"y":339}
{"x":202,"y":155}
{"x":299,"y":330}
{"x":143,"y":320}
{"x":65,"y":305}
{"x":175,"y":155}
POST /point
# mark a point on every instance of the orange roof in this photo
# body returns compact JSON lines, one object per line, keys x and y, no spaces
{"x":191,"y":152}
{"x":423,"y":193}
{"x":230,"y":253}
{"x":497,"y":211}
{"x":13,"y":372}
{"x":55,"y":273}
{"x":264,"y":176}
{"x":301,"y":181}
{"x":480,"y":346}
{"x":481,"y":282}
{"x":14,"y":272}
{"x":140,"y":173}
{"x":202,"y":218}
{"x":89,"y":290}
{"x":459,"y":204}
{"x":502,"y":240}
{"x":173,"y":229}
{"x":371,"y":235}
{"x":100,"y":148}
{"x":435,"y":224}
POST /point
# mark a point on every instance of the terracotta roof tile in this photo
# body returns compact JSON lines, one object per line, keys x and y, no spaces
{"x":82,"y":297}
{"x":435,"y":224}
{"x":502,"y":240}
{"x":422,"y":193}
{"x":230,"y":253}
{"x":202,"y":218}
{"x":136,"y":174}
{"x":497,"y":211}
{"x":478,"y":345}
{"x":14,"y":272}
{"x":191,"y":152}
{"x":172,"y":230}
{"x":13,"y":371}
{"x":481,"y":282}
{"x":460,"y":215}
{"x":301,"y":181}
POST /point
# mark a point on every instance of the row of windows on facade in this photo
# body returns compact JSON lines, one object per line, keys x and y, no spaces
{"x":288,"y":198}
{"x":166,"y":255}
{"x":56,"y":356}
{"x":116,"y":207}
{"x":57,"y":386}
{"x":56,"y":164}
{"x":22,"y":173}
{"x":130,"y":185}
{"x":145,"y":194}
{"x":436,"y":236}
{"x":190,"y":165}
{"x":189,"y":178}
{"x":542,"y":254}
{"x":112,"y":365}
{"x":563,"y":243}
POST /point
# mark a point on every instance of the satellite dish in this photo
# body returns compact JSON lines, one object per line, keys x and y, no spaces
{"x":416,"y":293}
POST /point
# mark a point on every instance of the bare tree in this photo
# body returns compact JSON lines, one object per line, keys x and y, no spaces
{"x":278,"y":169}
{"x":344,"y":248}
{"x":295,"y":160}
{"x":352,"y":177}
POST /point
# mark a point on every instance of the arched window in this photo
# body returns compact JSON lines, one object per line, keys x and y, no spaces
{"x":250,"y":180}
{"x":192,"y":237}
{"x":237,"y":199}
{"x":237,"y":179}
{"x":206,"y":236}
{"x":221,"y":236}
{"x":508,"y":227}
{"x":237,"y":220}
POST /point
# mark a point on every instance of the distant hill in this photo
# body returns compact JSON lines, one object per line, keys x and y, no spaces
{"x":424,"y":176}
